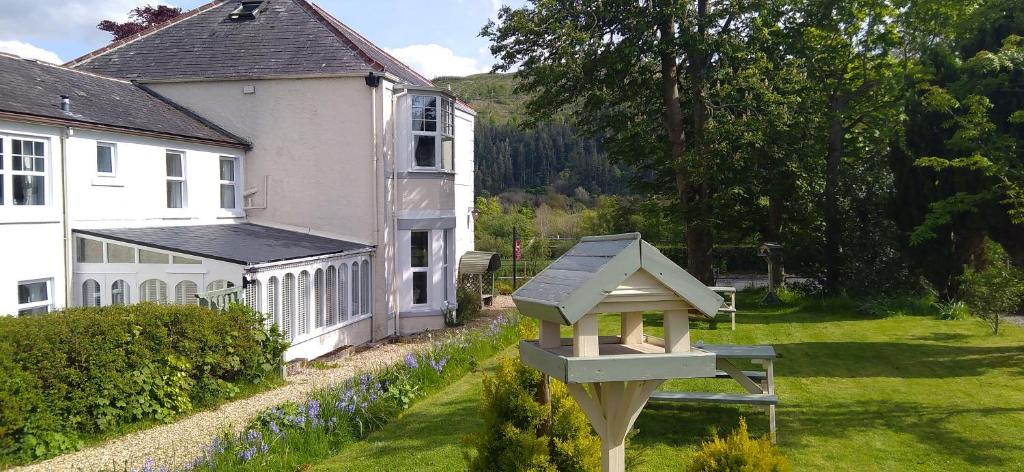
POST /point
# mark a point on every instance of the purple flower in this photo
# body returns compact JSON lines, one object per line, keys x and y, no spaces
{"x":438,"y":365}
{"x":274,"y":429}
{"x":254,"y":435}
{"x":246,"y":454}
{"x":410,"y":361}
{"x":264,"y":447}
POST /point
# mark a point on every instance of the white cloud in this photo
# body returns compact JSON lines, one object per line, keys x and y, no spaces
{"x":433,"y":60}
{"x":62,"y":19}
{"x":29,"y":51}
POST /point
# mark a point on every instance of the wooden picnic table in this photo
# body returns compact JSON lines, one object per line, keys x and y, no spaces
{"x":759,"y":384}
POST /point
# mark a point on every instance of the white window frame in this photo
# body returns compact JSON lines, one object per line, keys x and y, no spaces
{"x":414,"y":269}
{"x":7,"y":173}
{"x":48,"y":303}
{"x":235,"y":170}
{"x":446,"y":257}
{"x":113,"y":159}
{"x":444,"y":131}
{"x":183,"y":179}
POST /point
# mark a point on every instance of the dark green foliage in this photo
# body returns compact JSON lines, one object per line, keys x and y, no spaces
{"x":995,"y":288}
{"x":468,"y":298}
{"x":86,"y":371}
{"x":514,"y":437}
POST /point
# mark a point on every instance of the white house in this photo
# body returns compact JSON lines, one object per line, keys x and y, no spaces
{"x":351,"y":178}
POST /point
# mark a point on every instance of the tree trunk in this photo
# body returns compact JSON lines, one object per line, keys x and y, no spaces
{"x":773,"y":233}
{"x":833,"y":228}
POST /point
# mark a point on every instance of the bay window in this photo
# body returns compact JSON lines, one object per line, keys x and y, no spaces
{"x":433,"y":133}
{"x":419,"y":251}
{"x":176,"y":196}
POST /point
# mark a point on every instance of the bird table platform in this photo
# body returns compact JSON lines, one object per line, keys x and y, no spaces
{"x":612,"y":377}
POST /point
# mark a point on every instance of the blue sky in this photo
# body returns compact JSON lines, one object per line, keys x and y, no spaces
{"x":435,"y":37}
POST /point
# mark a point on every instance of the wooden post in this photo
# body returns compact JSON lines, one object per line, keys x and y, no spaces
{"x":632,"y":327}
{"x":612,"y":409}
{"x":677,"y":331}
{"x":585,"y":341}
{"x":550,"y":334}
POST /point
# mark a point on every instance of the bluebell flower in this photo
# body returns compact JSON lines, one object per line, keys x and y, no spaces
{"x":410,"y":361}
{"x":274,"y":429}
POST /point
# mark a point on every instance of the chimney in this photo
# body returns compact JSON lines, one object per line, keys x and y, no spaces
{"x":65,"y":103}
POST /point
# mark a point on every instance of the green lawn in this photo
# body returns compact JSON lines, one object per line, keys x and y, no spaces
{"x":858,"y":393}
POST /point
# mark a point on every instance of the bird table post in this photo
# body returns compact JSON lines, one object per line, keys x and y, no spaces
{"x":612,"y":377}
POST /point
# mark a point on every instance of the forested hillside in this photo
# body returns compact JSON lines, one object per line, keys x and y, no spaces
{"x":547,"y":156}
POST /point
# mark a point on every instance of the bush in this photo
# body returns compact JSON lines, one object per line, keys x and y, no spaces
{"x":515,"y":430}
{"x":126,"y":364}
{"x":468,"y":299}
{"x":995,"y":289}
{"x":738,"y":453}
{"x":503,"y":287}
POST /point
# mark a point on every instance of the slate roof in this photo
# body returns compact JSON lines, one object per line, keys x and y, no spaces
{"x":576,"y":282}
{"x":33,"y":89}
{"x":287,"y":38}
{"x":242,"y":243}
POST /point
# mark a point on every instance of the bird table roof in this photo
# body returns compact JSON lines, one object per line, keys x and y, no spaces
{"x":588,"y":273}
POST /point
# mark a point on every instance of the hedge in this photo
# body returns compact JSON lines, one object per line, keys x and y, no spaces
{"x":88,"y":371}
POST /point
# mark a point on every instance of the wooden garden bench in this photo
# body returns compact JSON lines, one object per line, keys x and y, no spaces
{"x":729,"y":306}
{"x":759,"y":384}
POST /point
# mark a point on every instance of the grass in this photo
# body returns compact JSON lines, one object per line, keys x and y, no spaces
{"x":859,"y":392}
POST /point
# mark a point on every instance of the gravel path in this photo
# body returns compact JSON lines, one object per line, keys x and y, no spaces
{"x":178,"y":443}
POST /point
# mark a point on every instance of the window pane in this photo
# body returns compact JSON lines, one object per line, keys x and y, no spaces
{"x":418,"y":248}
{"x":448,"y":153}
{"x":117,"y":253}
{"x":227,"y":196}
{"x":425,"y":151}
{"x":354,"y":282}
{"x":175,"y":194}
{"x":91,"y":293}
{"x":89,"y":250}
{"x":32,"y":292}
{"x":119,"y":293}
{"x":366,"y":287}
{"x":227,"y":170}
{"x":174,"y":165}
{"x":150,"y":257}
{"x":34,"y":311}
{"x":185,"y":260}
{"x":185,"y":293}
{"x":29,"y":190}
{"x":419,"y":288}
{"x":104,"y":159}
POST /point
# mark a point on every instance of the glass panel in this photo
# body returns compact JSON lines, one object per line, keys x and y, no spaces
{"x":185,"y":293}
{"x":366,"y":288}
{"x":89,"y":250}
{"x":419,"y":288}
{"x":185,"y":260}
{"x":174,"y":168}
{"x":227,"y":196}
{"x":425,"y":150}
{"x":32,"y":292}
{"x":447,"y":153}
{"x":119,"y":293}
{"x":29,"y":190}
{"x":91,"y":293}
{"x":227,"y":170}
{"x":105,"y":159}
{"x":119,"y":254}
{"x":34,"y":311}
{"x":150,"y":257}
{"x":418,"y":248}
{"x":175,"y":194}
{"x":354,"y":282}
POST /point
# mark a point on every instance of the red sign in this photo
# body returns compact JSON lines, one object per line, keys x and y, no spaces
{"x":519,"y":250}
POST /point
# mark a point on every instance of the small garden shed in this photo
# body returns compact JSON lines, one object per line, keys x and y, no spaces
{"x":612,"y":377}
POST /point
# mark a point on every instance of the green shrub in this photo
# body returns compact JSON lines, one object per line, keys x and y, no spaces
{"x":995,"y":289}
{"x":93,"y":370}
{"x":468,"y":299}
{"x":738,"y":453}
{"x":955,"y":310}
{"x":514,"y":436}
{"x":898,"y":305}
{"x":503,"y":287}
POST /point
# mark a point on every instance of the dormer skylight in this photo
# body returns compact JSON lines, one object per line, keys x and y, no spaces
{"x":246,"y":11}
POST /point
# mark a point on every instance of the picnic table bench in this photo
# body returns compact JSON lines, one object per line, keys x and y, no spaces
{"x":759,"y":384}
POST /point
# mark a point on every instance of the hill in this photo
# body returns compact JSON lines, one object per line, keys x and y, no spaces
{"x":551,"y":156}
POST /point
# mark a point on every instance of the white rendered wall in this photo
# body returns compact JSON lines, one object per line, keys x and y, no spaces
{"x":32,"y":237}
{"x":137,"y":195}
{"x":465,"y":168}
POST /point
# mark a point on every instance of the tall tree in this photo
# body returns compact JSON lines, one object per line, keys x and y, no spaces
{"x":638,"y":74}
{"x":140,"y":18}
